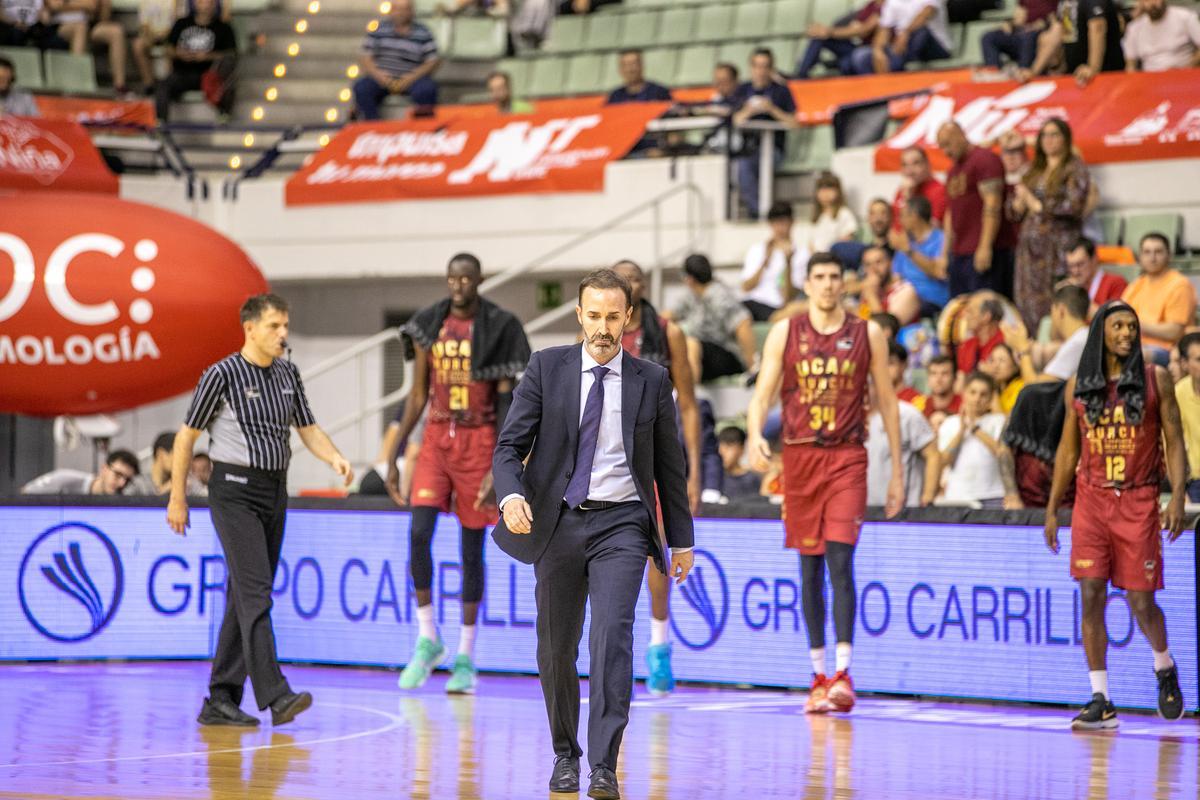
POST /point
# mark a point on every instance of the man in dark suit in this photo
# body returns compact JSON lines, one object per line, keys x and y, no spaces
{"x":601,"y":427}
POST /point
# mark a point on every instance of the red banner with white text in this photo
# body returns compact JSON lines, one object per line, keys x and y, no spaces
{"x":471,"y":156}
{"x":39,"y":154}
{"x":97,"y":110}
{"x":1117,"y":117}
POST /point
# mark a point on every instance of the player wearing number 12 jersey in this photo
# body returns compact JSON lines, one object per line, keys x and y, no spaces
{"x":819,"y":361}
{"x":468,"y":353}
{"x":1119,"y":411}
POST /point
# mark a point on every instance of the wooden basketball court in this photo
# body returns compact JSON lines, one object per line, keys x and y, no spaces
{"x":128,"y":731}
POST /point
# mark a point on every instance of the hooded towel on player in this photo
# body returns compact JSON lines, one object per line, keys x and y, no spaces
{"x":497,"y":338}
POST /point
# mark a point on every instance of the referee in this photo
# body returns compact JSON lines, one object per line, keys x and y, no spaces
{"x":248,"y":401}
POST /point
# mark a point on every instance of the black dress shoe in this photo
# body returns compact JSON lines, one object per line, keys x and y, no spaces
{"x":565,"y":777}
{"x":604,"y":784}
{"x":224,"y":712}
{"x":286,"y":708}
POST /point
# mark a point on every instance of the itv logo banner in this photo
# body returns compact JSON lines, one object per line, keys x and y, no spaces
{"x":972,"y":611}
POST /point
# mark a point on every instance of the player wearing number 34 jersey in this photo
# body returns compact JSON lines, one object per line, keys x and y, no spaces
{"x":820,"y":361}
{"x":1118,"y":413}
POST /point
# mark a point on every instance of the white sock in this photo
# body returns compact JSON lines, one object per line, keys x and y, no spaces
{"x":660,"y":631}
{"x":818,"y":659}
{"x":1099,"y":679}
{"x":842,"y":655}
{"x":466,"y":641}
{"x":427,"y":627}
{"x":1162,"y":660}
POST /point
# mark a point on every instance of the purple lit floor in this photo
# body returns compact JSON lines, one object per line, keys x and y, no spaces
{"x":128,"y":731}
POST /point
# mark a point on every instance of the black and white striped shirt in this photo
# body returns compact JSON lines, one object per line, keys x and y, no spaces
{"x":399,"y":54}
{"x":248,"y":411}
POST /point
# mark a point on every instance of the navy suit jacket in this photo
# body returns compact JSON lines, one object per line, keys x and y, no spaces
{"x":543,"y":423}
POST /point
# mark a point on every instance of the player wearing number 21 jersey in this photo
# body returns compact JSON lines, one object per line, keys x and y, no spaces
{"x":819,"y":361}
{"x":1119,"y":411}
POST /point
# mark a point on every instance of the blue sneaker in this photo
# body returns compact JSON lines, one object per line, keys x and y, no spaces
{"x":660,"y":682}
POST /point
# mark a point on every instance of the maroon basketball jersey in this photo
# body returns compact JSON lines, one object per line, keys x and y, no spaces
{"x":1116,"y":453}
{"x":631,"y":339}
{"x":453,"y":395}
{"x":825,"y":383}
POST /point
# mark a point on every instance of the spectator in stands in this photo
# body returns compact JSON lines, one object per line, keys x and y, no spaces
{"x":918,"y":454}
{"x":897,"y":367}
{"x":883,"y":290}
{"x":855,"y":29}
{"x":983,"y":314}
{"x":85,"y":22}
{"x":879,"y":222}
{"x":1162,"y":37}
{"x":201,"y":471}
{"x":499,"y":86}
{"x":158,"y":479}
{"x":1018,"y":38}
{"x":119,"y":469}
{"x":916,"y":178}
{"x":941,"y":400}
{"x":1187,"y":392}
{"x":399,"y":57}
{"x":14,"y":101}
{"x":832,"y":221}
{"x":26,"y":23}
{"x":1050,"y":200}
{"x":715,"y":322}
{"x":1068,"y":324}
{"x":1164,"y":299}
{"x":975,"y":204}
{"x":530,"y":25}
{"x":199,"y":44}
{"x":1034,"y":429}
{"x":635,"y":88}
{"x":888,"y":323}
{"x":582,"y":6}
{"x":492,"y":8}
{"x":1085,"y":36}
{"x":909,"y":30}
{"x":969,"y":448}
{"x":920,"y":255}
{"x":1083,"y":270}
{"x":774,"y":270}
{"x":760,"y":98}
{"x":1003,"y":366}
{"x":739,"y":482}
{"x":155,"y":19}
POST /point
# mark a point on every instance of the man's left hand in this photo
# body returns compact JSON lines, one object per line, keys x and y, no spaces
{"x":681,"y":565}
{"x":484,"y":496}
{"x":342,"y":467}
{"x":1084,"y":74}
{"x":1173,"y":516}
{"x":895,"y":496}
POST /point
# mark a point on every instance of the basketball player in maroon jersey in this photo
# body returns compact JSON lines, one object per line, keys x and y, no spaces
{"x":819,"y":361}
{"x":468,"y":352}
{"x":653,"y":338}
{"x":1119,"y":412}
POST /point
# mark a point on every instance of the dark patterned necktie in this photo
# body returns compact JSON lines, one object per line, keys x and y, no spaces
{"x":585,"y":448}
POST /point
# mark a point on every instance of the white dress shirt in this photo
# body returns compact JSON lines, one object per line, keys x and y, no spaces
{"x":611,"y":479}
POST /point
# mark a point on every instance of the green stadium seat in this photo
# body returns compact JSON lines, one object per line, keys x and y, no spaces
{"x":695,"y":67}
{"x":792,"y":16}
{"x":828,"y":12}
{"x":972,"y":47}
{"x":1111,"y":224}
{"x":546,"y":76}
{"x":478,"y":38}
{"x":641,"y":29}
{"x":583,"y":73}
{"x":713,"y":23}
{"x":1130,"y":272}
{"x":786,"y":50}
{"x":738,"y":54}
{"x":566,"y":34}
{"x":1138,"y":225}
{"x":752,"y":19}
{"x":661,"y":64}
{"x":604,"y":32}
{"x":519,"y":71}
{"x":676,"y":25}
{"x":27,"y":63}
{"x":610,"y":75}
{"x":1045,"y":331}
{"x":809,"y":149}
{"x":69,"y":73}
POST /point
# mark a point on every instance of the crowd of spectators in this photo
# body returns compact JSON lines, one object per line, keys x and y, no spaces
{"x":122,"y":474}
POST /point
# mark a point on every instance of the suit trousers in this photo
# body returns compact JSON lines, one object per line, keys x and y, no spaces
{"x":248,"y":509}
{"x":598,"y":556}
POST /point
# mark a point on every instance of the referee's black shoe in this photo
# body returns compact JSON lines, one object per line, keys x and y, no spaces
{"x":1170,"y":698}
{"x":288,"y":707}
{"x":224,"y":712}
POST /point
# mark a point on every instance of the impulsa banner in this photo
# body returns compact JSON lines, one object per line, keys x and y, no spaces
{"x":51,"y":154}
{"x":107,"y":304}
{"x":471,"y":156}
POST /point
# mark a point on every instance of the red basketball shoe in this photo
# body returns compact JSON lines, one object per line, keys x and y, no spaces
{"x":840,"y":691}
{"x":818,"y":696}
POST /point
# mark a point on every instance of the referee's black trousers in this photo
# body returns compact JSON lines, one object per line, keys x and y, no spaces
{"x":248,"y":508}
